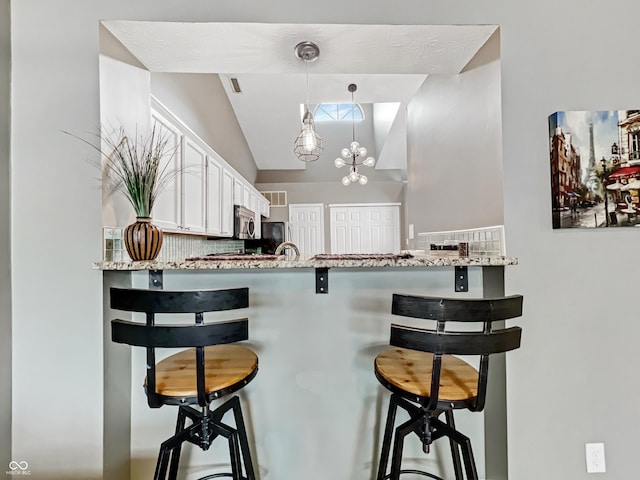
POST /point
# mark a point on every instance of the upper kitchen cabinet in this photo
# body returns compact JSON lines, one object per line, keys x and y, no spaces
{"x":219,"y":197}
{"x":200,"y":199}
{"x":167,"y":209}
{"x":194,"y":163}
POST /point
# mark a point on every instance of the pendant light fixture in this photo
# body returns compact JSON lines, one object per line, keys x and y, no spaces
{"x":308,"y":145}
{"x":354,"y":155}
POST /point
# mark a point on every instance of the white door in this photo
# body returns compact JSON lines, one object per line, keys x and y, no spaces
{"x":306,"y":221}
{"x":365,"y":228}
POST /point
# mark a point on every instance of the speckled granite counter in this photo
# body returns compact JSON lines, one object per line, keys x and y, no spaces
{"x":311,"y":262}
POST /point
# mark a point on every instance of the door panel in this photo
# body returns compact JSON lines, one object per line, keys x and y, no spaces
{"x":307,"y":227}
{"x":365,"y":228}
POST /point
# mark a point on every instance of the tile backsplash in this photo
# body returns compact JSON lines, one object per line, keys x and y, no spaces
{"x":174,"y":246}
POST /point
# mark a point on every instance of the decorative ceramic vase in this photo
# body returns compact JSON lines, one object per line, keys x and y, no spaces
{"x":143,"y":239}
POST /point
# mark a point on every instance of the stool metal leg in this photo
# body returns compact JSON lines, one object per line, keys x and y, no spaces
{"x":387,"y":438}
{"x":242,"y":437}
{"x":455,"y":452}
{"x":402,"y":431}
{"x":175,"y":455}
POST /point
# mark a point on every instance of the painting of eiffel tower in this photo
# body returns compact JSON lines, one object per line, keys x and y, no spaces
{"x":595,"y":168}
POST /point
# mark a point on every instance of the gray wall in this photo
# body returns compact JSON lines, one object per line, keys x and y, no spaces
{"x":210,"y":116}
{"x":5,"y":237}
{"x":454,"y":151}
{"x":580,"y":337}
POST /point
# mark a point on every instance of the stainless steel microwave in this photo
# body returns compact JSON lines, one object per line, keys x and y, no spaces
{"x":244,"y":226}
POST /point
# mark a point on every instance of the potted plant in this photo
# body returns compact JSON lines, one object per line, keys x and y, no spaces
{"x":139,"y":168}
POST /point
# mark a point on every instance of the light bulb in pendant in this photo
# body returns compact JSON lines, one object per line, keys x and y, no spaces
{"x":339,"y":162}
{"x":346,"y":181}
{"x":308,"y":139}
{"x":363,"y":180}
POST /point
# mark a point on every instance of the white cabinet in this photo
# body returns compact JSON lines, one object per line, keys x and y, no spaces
{"x":265,"y":210}
{"x":238,"y":191}
{"x":200,"y":199}
{"x":194,"y":164}
{"x":247,"y":197}
{"x":219,"y":197}
{"x":226,"y":203}
{"x":167,"y":209}
{"x":365,"y":228}
{"x":214,"y":196}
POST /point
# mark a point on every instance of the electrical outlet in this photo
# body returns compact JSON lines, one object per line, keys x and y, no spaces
{"x":595,"y":458}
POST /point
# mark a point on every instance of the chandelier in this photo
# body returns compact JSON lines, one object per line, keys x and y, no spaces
{"x":354,"y":156}
{"x":308,"y":144}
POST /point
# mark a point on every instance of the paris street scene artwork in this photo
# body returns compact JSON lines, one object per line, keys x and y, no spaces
{"x":595,"y":168}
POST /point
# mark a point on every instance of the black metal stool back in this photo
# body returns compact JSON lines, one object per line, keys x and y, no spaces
{"x":426,"y":377}
{"x":187,"y":377}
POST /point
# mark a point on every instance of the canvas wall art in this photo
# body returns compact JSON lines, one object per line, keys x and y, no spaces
{"x":595,"y":168}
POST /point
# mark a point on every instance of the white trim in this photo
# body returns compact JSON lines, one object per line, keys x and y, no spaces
{"x":396,"y":204}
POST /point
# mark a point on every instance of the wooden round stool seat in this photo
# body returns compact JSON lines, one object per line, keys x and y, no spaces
{"x":410,"y":371}
{"x":226,"y":367}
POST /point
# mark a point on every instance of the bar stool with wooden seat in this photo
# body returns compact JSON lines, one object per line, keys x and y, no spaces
{"x":427,"y":380}
{"x":212,"y":367}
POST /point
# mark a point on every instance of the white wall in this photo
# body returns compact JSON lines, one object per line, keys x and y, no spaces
{"x":454,"y":151}
{"x":124,"y":103}
{"x":568,"y":384}
{"x":5,"y":238}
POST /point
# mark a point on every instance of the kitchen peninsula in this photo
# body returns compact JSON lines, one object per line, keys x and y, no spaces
{"x":315,"y":408}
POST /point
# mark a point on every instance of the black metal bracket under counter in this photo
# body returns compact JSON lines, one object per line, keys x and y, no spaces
{"x":322,"y":280}
{"x":461,"y":279}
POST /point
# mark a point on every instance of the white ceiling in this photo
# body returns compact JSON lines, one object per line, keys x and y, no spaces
{"x":387,"y":62}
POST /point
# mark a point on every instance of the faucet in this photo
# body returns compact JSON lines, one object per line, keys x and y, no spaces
{"x":291,"y":245}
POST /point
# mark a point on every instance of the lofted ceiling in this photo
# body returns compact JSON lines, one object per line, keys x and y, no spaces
{"x":389,"y":63}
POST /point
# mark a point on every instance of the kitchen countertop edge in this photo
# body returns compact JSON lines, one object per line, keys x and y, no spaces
{"x":422,"y":261}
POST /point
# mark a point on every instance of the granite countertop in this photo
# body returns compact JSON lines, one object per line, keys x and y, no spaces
{"x":318,"y":261}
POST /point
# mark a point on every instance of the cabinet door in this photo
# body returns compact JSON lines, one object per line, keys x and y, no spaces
{"x":193,"y":186}
{"x":247,"y":197}
{"x":214,"y":196}
{"x":226,"y":204}
{"x":265,"y":207}
{"x":238,"y":191}
{"x":167,"y":209}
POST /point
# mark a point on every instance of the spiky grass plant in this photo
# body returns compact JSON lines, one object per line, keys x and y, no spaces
{"x":137,"y":167}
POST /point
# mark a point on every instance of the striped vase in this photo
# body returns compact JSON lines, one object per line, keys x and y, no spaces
{"x":143,"y":239}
